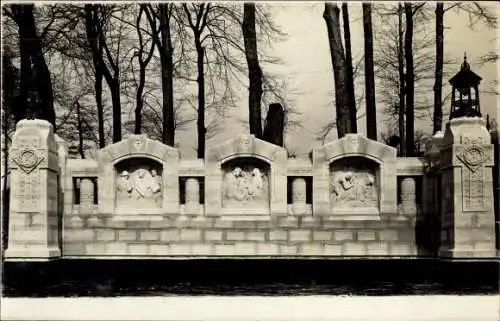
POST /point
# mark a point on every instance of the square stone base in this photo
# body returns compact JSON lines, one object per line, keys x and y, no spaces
{"x":38,"y":253}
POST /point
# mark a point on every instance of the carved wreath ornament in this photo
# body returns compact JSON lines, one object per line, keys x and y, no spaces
{"x":472,"y":157}
{"x":27,"y":160}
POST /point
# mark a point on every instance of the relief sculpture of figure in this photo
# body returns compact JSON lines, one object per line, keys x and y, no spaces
{"x":142,"y":184}
{"x":234,"y":187}
{"x":243,"y":186}
{"x":156,"y":181}
{"x":125,"y":185}
{"x":256,"y":185}
{"x":155,"y":185}
{"x":353,"y":187}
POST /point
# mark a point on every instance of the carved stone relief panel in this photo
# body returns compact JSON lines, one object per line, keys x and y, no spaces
{"x":354,"y":184}
{"x":245,"y":184}
{"x":138,"y":184}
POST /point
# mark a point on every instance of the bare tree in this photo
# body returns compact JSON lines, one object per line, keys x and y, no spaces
{"x":96,"y":18}
{"x":143,"y":63}
{"x":36,"y":87}
{"x":409,"y":80}
{"x":198,"y":22}
{"x":343,"y":112}
{"x":371,"y":109}
{"x":254,"y":70}
{"x":160,"y":23}
{"x":349,"y":68}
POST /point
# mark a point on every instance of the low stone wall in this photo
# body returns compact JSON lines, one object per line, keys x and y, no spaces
{"x":207,"y":236}
{"x":353,"y":198}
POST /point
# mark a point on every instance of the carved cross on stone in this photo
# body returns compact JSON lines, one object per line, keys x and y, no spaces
{"x":472,"y":156}
{"x":27,"y":160}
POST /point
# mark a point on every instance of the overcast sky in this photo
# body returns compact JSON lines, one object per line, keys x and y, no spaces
{"x":307,"y":69}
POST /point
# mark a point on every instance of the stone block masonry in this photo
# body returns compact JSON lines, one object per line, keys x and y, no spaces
{"x":191,"y":240}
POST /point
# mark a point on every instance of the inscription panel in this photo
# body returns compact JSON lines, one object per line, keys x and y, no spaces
{"x":28,"y":194}
{"x":473,"y":190}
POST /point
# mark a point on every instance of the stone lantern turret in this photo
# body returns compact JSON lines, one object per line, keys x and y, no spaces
{"x":465,"y":92}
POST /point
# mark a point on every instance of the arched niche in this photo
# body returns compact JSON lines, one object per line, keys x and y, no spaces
{"x":245,"y":185}
{"x":354,"y":186}
{"x":145,"y":160}
{"x":358,"y":154}
{"x":139,"y":184}
{"x":247,"y":153}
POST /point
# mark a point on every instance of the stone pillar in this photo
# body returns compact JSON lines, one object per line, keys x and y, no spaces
{"x":86,"y":195}
{"x":408,"y":206}
{"x":34,"y":166}
{"x":192,"y":194}
{"x":299,"y":205}
{"x":467,"y":214}
{"x":495,"y":137}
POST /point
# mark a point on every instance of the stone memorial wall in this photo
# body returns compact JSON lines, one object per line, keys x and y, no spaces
{"x":353,"y":198}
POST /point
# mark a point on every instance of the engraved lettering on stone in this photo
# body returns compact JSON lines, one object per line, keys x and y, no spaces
{"x":245,"y":185}
{"x":472,"y":156}
{"x":353,"y":186}
{"x":472,"y":140}
{"x":139,"y":188}
{"x":473,"y":190}
{"x":28,"y":195}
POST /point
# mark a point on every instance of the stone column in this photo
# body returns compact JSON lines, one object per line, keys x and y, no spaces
{"x":192,"y":194}
{"x":408,"y":206}
{"x":467,"y":214}
{"x":86,"y":195}
{"x":34,"y":166}
{"x":299,"y":205}
{"x":495,"y":137}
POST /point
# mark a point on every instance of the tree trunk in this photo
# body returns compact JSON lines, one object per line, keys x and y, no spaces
{"x":349,"y":68}
{"x":80,"y":129}
{"x":371,"y":109}
{"x":114,"y":87}
{"x":401,"y":94}
{"x":275,"y":125}
{"x":97,"y":42}
{"x":200,"y":52}
{"x":5,"y":192}
{"x":139,"y":101}
{"x":343,"y":114}
{"x":438,"y":85}
{"x":99,"y":106}
{"x":167,"y":75}
{"x":410,"y":81}
{"x":36,"y":85}
{"x":254,"y":70}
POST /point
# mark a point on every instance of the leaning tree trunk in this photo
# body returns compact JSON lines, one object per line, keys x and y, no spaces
{"x":349,"y":68}
{"x":371,"y":109}
{"x":200,"y":125}
{"x":36,"y":84}
{"x":401,"y":93}
{"x":343,"y":113}
{"x":438,"y":85}
{"x":275,"y":125}
{"x":410,"y":81}
{"x":254,"y":70}
{"x":167,"y":75}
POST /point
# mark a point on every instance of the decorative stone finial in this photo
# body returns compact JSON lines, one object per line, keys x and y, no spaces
{"x":465,"y":64}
